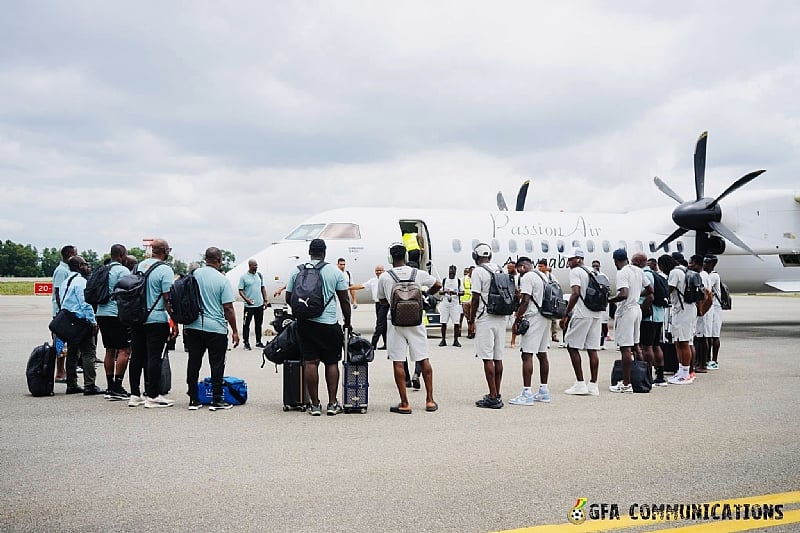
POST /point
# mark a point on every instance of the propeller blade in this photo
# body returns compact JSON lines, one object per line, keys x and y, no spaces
{"x":667,"y":190}
{"x":744,"y":180}
{"x":675,"y":234}
{"x":720,"y":228}
{"x":522,"y":195}
{"x":501,"y":202}
{"x":700,"y":165}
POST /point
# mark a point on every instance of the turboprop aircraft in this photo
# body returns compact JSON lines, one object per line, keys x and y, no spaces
{"x":755,"y":238}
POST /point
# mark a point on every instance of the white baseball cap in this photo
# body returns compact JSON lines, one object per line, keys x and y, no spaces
{"x":576,"y":252}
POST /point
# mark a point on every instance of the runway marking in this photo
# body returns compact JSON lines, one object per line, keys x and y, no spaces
{"x":625,"y":521}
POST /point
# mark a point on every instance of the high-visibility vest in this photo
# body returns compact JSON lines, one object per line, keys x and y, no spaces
{"x":467,"y":296}
{"x":410,"y":241}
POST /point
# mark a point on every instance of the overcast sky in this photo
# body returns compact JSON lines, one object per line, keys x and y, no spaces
{"x":214,"y":125}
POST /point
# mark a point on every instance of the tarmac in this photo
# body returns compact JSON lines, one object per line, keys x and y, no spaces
{"x":74,"y":463}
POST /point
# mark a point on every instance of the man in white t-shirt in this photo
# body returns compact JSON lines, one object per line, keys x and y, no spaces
{"x":582,"y":327}
{"x":380,"y":309}
{"x":450,"y":306}
{"x":410,"y":339}
{"x":702,"y":337}
{"x":714,"y":320}
{"x":537,"y":337}
{"x":682,"y":319}
{"x":631,"y":284}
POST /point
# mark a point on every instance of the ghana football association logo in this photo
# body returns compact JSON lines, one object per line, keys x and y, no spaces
{"x":576,"y":514}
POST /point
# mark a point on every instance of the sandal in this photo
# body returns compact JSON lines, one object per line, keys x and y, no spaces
{"x":432,"y":407}
{"x":400,"y":410}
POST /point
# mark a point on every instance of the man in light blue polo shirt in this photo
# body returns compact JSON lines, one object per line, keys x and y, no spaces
{"x":148,"y":339}
{"x":116,"y":337}
{"x":59,"y":275}
{"x":210,"y":330}
{"x":252,"y":291}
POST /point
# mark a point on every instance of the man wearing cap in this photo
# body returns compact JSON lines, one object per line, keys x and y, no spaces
{"x":631,"y":283}
{"x":541,"y":266}
{"x":450,"y":307}
{"x":714,"y":315}
{"x":489,"y":330}
{"x":321,"y":338}
{"x":582,"y":327}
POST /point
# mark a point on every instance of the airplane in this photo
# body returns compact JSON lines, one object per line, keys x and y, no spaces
{"x":755,"y":238}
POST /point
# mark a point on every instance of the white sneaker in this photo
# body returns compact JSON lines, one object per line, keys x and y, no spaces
{"x":524,"y":398}
{"x":621,"y":387}
{"x":593,"y":389}
{"x":542,"y":396}
{"x":158,"y":401}
{"x":680,"y":380}
{"x":135,"y":401}
{"x":712,"y":365}
{"x":578,"y":389}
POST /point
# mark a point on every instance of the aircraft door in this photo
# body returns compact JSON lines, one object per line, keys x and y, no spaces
{"x":425,"y":256}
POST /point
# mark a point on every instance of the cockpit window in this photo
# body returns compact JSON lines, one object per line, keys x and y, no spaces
{"x":341,"y":231}
{"x":305,"y":232}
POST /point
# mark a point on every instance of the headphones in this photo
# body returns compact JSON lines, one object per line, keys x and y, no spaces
{"x":396,"y":245}
{"x":481,"y":250}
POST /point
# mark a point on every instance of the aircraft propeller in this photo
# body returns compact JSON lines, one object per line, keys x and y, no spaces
{"x":521,"y":196}
{"x":704,"y":214}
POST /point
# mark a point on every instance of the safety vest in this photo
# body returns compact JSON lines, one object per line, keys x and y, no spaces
{"x":410,"y":241}
{"x":467,"y":296}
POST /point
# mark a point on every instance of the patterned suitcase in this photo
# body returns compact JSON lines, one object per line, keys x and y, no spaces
{"x":356,"y":388}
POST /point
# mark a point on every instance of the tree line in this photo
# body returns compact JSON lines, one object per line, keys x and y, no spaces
{"x":24,"y":261}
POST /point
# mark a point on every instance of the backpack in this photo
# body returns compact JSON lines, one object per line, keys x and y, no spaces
{"x":184,"y":299}
{"x":40,"y":371}
{"x":694,"y":288}
{"x":283,"y":347}
{"x":130,"y":293}
{"x":405,"y":302}
{"x":553,"y":304}
{"x":96,"y":291}
{"x":597,"y":293}
{"x":359,"y":350}
{"x":660,"y":290}
{"x":724,"y":297}
{"x":307,"y":295}
{"x":501,"y":299}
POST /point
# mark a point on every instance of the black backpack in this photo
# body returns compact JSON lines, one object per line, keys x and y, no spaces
{"x":553,"y":304}
{"x":284,"y":347}
{"x":694,"y":288}
{"x":307,"y":295}
{"x":185,"y":301}
{"x":96,"y":291}
{"x":596,"y":298}
{"x":660,"y":290}
{"x":501,"y":299}
{"x":130,"y":293}
{"x":41,"y":369}
{"x":359,"y":350}
{"x":724,"y":297}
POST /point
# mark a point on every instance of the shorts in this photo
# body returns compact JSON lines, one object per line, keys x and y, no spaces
{"x":682,"y":323}
{"x":537,"y":338}
{"x":650,"y":333}
{"x":583,"y":333}
{"x":626,"y":326}
{"x":490,"y":333}
{"x":449,"y":312}
{"x":320,"y":342}
{"x":714,"y":322}
{"x":115,"y":335}
{"x":700,"y":326}
{"x":411,"y":340}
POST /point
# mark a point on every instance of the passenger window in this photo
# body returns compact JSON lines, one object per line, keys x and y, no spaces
{"x":341,"y":231}
{"x":560,"y":246}
{"x":456,"y":245}
{"x":606,"y":246}
{"x":590,"y":246}
{"x":576,"y":243}
{"x":529,"y":246}
{"x":545,"y":246}
{"x":680,"y":246}
{"x":653,"y":247}
{"x":512,"y":246}
{"x":495,"y":245}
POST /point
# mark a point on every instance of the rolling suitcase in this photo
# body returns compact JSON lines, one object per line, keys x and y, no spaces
{"x":295,"y":395}
{"x":670,"y":357}
{"x":355,"y":383}
{"x":41,"y":370}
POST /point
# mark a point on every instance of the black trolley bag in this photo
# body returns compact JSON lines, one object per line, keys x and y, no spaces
{"x":295,"y":395}
{"x":41,"y":370}
{"x":355,"y":385}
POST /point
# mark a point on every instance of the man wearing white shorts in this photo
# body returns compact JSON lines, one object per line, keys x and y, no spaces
{"x":583,"y":328}
{"x":450,"y":306}
{"x":714,"y":315}
{"x":536,"y":339}
{"x":489,"y":330}
{"x":683,"y":318}
{"x":407,"y":339}
{"x":627,"y":321}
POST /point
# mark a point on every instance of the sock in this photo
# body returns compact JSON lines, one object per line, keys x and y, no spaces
{"x":526,"y":389}
{"x":118,"y":383}
{"x":659,"y":372}
{"x":683,"y":371}
{"x":110,"y":379}
{"x":543,"y":387}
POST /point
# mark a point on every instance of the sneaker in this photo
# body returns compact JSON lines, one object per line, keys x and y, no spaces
{"x":315,"y":410}
{"x":489,"y":403}
{"x":578,"y":389}
{"x":524,"y":398}
{"x":158,"y":401}
{"x":621,"y":387}
{"x":680,"y":380}
{"x":415,"y":382}
{"x":218,"y":405}
{"x":135,"y":401}
{"x":443,"y":343}
{"x":712,"y":365}
{"x":456,"y":344}
{"x":593,"y":389}
{"x":246,"y":346}
{"x":93,"y":391}
{"x":542,"y":396}
{"x":334,"y":409}
{"x":660,"y":383}
{"x":259,"y":344}
{"x":118,"y":394}
{"x":194,"y":404}
{"x":74,"y":390}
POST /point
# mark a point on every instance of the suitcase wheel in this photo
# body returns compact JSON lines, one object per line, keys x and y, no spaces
{"x":285,"y":408}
